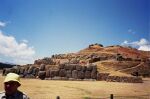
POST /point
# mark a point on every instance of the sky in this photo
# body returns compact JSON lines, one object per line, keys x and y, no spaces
{"x":33,"y":29}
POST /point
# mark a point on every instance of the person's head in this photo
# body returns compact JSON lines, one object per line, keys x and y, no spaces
{"x":11,"y":83}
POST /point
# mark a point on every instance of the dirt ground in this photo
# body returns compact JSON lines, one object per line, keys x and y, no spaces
{"x":49,"y":89}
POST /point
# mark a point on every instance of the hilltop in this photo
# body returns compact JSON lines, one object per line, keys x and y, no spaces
{"x":96,"y":62}
{"x":116,"y":60}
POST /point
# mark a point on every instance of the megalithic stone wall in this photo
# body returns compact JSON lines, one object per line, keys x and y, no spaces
{"x":68,"y":72}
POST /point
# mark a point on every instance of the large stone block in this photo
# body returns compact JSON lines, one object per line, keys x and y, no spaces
{"x":67,"y":67}
{"x":94,"y":74}
{"x":35,"y":71}
{"x":62,"y":73}
{"x":42,"y":67}
{"x":61,"y":66}
{"x":72,"y":66}
{"x":54,"y":73}
{"x":47,"y":73}
{"x":22,"y":70}
{"x":78,"y":67}
{"x":69,"y":74}
{"x":89,"y":68}
{"x":30,"y":70}
{"x":80,"y":75}
{"x":83,"y":68}
{"x":87,"y":74}
{"x":42,"y":75}
{"x":75,"y":74}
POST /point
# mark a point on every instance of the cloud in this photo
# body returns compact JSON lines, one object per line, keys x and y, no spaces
{"x":2,"y":24}
{"x":20,"y":53}
{"x":25,"y":41}
{"x":131,"y":31}
{"x":142,"y":44}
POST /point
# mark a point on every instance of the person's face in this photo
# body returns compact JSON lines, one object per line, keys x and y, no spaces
{"x":11,"y":87}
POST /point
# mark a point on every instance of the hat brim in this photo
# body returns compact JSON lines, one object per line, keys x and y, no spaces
{"x":8,"y":80}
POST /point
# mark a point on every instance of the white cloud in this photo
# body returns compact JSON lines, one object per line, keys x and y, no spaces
{"x":25,"y":41}
{"x":142,"y":44}
{"x":20,"y":53}
{"x":2,"y":24}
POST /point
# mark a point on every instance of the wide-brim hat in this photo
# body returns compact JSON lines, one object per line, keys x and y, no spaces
{"x":12,"y":77}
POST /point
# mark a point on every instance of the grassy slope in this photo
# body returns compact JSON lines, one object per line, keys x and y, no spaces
{"x":119,"y":68}
{"x":114,"y":67}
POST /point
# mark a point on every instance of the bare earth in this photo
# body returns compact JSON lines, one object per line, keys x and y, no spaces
{"x":49,"y":89}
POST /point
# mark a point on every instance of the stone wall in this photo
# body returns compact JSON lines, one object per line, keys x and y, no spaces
{"x":68,"y":72}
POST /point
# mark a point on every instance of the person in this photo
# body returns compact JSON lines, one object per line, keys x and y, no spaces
{"x":11,"y":84}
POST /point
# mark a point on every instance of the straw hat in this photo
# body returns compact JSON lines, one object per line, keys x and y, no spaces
{"x":12,"y":77}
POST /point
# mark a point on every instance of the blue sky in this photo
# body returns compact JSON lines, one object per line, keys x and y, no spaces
{"x":41,"y":28}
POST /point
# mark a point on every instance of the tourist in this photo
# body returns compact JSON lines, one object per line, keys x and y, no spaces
{"x":11,"y":84}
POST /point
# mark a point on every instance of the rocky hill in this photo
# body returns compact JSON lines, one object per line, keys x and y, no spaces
{"x":116,"y":60}
{"x":111,"y":63}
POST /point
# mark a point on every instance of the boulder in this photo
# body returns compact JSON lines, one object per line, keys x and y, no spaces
{"x":75,"y":74}
{"x":67,"y":66}
{"x":87,"y":74}
{"x":69,"y":74}
{"x":42,"y":75}
{"x":78,"y":67}
{"x":6,"y":71}
{"x":22,"y":69}
{"x":26,"y":68}
{"x":42,"y":67}
{"x":54,"y":73}
{"x":72,"y":66}
{"x":62,"y":73}
{"x":30,"y":70}
{"x":94,"y":68}
{"x":61,"y":66}
{"x":35,"y":71}
{"x":94,"y":74}
{"x":80,"y":75}
{"x":83,"y":68}
{"x":47,"y":73}
{"x":17,"y":69}
{"x":89,"y":68}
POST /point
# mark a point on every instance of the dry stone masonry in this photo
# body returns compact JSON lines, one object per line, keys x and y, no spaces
{"x":68,"y":72}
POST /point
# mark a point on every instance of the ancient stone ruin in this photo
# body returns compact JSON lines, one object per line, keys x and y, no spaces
{"x":68,"y":72}
{"x":90,"y":63}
